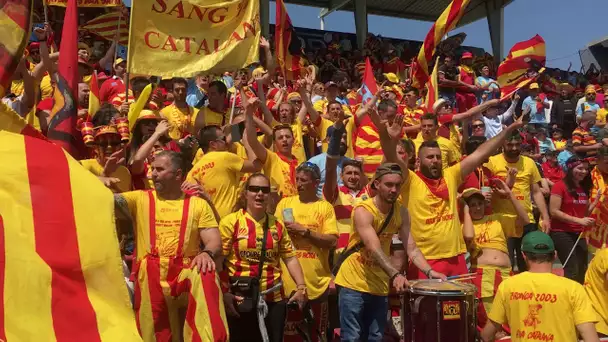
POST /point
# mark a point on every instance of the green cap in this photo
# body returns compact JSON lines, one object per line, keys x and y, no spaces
{"x":386,"y":169}
{"x":537,"y":242}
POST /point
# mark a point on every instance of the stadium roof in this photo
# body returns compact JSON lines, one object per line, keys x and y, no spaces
{"x":424,"y":10}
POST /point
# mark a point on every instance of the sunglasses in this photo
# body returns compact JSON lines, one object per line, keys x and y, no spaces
{"x":255,"y":189}
{"x":478,"y":126}
{"x":108,"y":143}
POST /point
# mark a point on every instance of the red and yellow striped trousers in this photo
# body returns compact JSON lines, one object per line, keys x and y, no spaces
{"x":164,"y":287}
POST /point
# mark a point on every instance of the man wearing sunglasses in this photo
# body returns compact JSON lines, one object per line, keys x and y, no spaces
{"x":219,"y":170}
{"x":311,"y":223}
{"x":109,"y":160}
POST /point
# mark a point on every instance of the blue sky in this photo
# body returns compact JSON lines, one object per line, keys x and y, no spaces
{"x":566,"y":26}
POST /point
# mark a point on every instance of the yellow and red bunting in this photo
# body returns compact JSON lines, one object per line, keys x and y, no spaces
{"x":60,"y":271}
{"x":106,"y":25}
{"x":15,"y":27}
{"x":287,"y":45}
{"x":513,"y":71}
{"x":444,"y":24}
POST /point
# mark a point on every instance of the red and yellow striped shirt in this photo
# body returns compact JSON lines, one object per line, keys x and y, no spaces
{"x":367,"y":146}
{"x":242,"y":246}
{"x":583,"y":137}
{"x":343,"y":203}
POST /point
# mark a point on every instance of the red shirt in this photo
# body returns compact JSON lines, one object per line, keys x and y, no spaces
{"x":553,"y":173}
{"x":110,"y":89}
{"x":572,"y":205}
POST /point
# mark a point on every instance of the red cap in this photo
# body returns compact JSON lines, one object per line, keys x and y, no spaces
{"x":466,"y":54}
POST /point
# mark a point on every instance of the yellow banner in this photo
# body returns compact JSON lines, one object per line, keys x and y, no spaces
{"x":181,"y":38}
{"x":86,"y":3}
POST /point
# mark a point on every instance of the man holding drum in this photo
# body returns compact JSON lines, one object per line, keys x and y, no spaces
{"x":539,"y":305}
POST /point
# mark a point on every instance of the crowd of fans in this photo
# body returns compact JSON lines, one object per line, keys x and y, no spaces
{"x":299,"y":178}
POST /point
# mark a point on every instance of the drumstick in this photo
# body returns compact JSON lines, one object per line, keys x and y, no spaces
{"x":572,"y":250}
{"x":465,"y":278}
{"x":461,"y":276}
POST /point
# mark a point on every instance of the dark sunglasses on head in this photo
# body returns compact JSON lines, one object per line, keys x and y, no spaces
{"x":255,"y":189}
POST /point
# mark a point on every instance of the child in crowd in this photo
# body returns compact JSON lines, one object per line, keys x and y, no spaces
{"x":544,"y":143}
{"x":558,"y":139}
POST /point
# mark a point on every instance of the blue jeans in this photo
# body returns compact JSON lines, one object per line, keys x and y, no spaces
{"x":362,"y":316}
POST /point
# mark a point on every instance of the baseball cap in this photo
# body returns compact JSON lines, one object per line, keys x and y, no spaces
{"x":391,"y":77}
{"x":386,"y":169}
{"x":534,"y":86}
{"x":118,"y":61}
{"x":466,"y":54}
{"x":470,"y":193}
{"x":537,"y":242}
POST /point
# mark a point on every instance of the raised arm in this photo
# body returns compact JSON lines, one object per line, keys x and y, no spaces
{"x":388,"y":139}
{"x":371,"y":104}
{"x":138,"y":160}
{"x":477,"y":110}
{"x":307,"y":106}
{"x":260,"y":151}
{"x":330,"y":188}
{"x":483,"y":152}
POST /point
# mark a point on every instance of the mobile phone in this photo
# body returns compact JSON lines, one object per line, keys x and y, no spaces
{"x":237,"y":131}
{"x":288,"y":215}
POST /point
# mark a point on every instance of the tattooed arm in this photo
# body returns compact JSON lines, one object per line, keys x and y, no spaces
{"x":121,"y":207}
{"x":413,"y":251}
{"x":363,"y":221}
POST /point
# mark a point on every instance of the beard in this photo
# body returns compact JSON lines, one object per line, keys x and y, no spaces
{"x":512,"y":154}
{"x":431,"y":172}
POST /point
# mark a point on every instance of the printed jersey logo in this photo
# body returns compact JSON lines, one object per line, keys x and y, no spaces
{"x":532,"y":320}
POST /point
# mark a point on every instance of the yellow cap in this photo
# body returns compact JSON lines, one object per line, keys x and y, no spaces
{"x":391,"y":77}
{"x":534,"y":86}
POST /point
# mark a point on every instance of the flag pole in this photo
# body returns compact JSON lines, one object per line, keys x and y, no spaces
{"x":46,"y":15}
{"x":116,"y":37}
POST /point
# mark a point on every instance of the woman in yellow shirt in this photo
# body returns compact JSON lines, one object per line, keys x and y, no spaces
{"x":243,"y":234}
{"x":487,"y":244}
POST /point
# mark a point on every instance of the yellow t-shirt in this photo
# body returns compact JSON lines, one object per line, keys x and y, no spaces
{"x":214,"y":118}
{"x":349,"y":126}
{"x":320,"y":218}
{"x":122,"y":173}
{"x":359,"y":271}
{"x":489,"y":233}
{"x":242,"y":243}
{"x":435,"y":225}
{"x":321,"y":107}
{"x":219,"y":173}
{"x":298,"y":140}
{"x":596,"y":287}
{"x":412,"y":116}
{"x":168,"y":217}
{"x":180,"y":119}
{"x":282,"y":173}
{"x":600,"y":116}
{"x":526,"y":176}
{"x":450,"y":154}
{"x":541,"y":307}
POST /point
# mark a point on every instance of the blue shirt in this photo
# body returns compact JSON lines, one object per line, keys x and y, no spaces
{"x":320,"y":160}
{"x":545,"y":145}
{"x":195,"y":97}
{"x":592,"y":106}
{"x":535,"y":115}
{"x":563,"y":157}
{"x":482,"y":81}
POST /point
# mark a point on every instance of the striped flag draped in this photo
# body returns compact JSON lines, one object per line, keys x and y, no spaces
{"x":105,"y":26}
{"x":433,"y":88}
{"x":444,"y":24}
{"x":60,"y":273}
{"x":62,"y":128}
{"x":521,"y":65}
{"x":12,"y":122}
{"x":287,"y":45}
{"x":94,"y":102}
{"x":15,"y":27}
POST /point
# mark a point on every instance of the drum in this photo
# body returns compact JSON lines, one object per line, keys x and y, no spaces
{"x":439,"y":311}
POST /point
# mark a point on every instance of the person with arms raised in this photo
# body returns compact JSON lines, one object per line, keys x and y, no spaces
{"x":365,"y":271}
{"x":431,"y":195}
{"x":539,"y":305}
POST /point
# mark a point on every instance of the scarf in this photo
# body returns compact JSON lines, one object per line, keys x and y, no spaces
{"x":437,"y":187}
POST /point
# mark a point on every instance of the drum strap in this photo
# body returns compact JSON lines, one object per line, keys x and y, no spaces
{"x":348,"y":252}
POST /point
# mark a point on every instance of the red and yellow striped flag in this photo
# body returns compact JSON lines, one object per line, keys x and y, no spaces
{"x":521,"y":66}
{"x":15,"y":27}
{"x":10,"y":121}
{"x":432,"y":88}
{"x":444,"y":24}
{"x":287,"y":45}
{"x":94,"y":102}
{"x":60,"y":271}
{"x":105,"y":26}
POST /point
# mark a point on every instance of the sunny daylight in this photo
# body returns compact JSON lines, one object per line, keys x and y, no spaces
{"x":303,"y":170}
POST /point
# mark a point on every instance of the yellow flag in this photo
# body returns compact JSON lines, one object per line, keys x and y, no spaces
{"x":182,"y":38}
{"x":60,"y":271}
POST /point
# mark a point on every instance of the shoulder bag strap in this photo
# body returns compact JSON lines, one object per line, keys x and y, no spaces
{"x":263,"y":252}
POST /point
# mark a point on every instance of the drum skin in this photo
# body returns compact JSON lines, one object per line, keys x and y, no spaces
{"x":435,"y":311}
